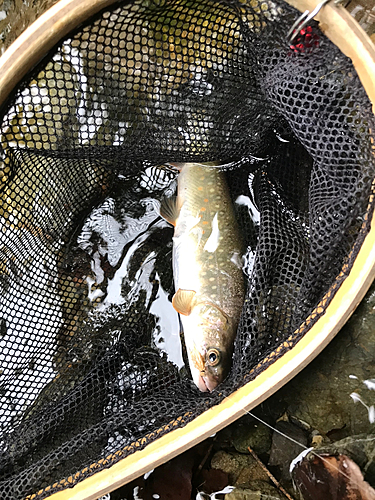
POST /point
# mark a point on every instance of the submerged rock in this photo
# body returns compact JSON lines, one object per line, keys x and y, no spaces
{"x":252,"y":435}
{"x":242,"y":470}
{"x":257,"y":490}
{"x":212,"y":480}
{"x":360,"y":448}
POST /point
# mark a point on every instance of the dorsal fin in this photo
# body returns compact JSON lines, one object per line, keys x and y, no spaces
{"x":170,"y":209}
{"x":182,"y":301}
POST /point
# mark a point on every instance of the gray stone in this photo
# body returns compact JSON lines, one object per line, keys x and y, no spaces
{"x":284,"y":450}
{"x":254,"y":435}
{"x":320,"y":394}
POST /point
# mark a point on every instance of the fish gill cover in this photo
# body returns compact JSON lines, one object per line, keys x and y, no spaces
{"x":92,"y":367}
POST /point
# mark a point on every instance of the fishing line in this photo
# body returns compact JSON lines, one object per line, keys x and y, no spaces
{"x":276,"y":430}
{"x":304,"y":447}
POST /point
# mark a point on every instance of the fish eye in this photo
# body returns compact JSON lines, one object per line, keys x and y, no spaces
{"x":213,"y":357}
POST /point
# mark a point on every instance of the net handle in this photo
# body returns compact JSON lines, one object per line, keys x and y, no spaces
{"x":345,"y":32}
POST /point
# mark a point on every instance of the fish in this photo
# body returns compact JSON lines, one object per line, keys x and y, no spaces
{"x":207,"y":270}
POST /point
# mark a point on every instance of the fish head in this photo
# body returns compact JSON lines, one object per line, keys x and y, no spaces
{"x":210,"y":354}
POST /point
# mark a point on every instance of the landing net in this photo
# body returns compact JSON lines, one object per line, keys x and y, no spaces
{"x":91,"y":363}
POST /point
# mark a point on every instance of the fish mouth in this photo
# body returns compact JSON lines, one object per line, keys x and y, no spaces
{"x":205,"y":384}
{"x":210,"y":384}
{"x":201,"y":381}
{"x":201,"y":384}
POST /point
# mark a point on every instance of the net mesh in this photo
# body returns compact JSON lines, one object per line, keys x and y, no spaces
{"x":92,"y":366}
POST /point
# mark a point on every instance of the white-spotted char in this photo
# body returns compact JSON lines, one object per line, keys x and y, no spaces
{"x":208,"y":278}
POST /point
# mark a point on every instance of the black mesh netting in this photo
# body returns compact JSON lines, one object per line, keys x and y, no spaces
{"x":91,"y":360}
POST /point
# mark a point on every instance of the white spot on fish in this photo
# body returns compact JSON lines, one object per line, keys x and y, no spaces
{"x":213,"y":241}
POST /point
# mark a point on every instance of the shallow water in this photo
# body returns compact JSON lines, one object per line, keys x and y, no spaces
{"x":124,"y":240}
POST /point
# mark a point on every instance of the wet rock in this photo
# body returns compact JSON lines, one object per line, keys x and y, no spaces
{"x":224,"y":438}
{"x":283,"y":450}
{"x":257,"y":490}
{"x":241,"y":469}
{"x":252,"y":435}
{"x":320,"y":394}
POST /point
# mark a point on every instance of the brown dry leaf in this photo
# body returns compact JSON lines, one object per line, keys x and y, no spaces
{"x":170,"y":481}
{"x":212,"y":480}
{"x":331,"y":478}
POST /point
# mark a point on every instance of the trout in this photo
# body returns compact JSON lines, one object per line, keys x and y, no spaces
{"x":207,"y":270}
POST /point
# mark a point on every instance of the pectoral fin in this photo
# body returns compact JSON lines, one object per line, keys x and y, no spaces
{"x":170,"y":209}
{"x":182,"y":301}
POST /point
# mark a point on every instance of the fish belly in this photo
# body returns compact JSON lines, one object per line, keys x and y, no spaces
{"x":207,"y":244}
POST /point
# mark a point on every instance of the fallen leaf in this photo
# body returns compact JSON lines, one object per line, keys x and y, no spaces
{"x":329,"y":477}
{"x":212,"y":480}
{"x":170,"y":481}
